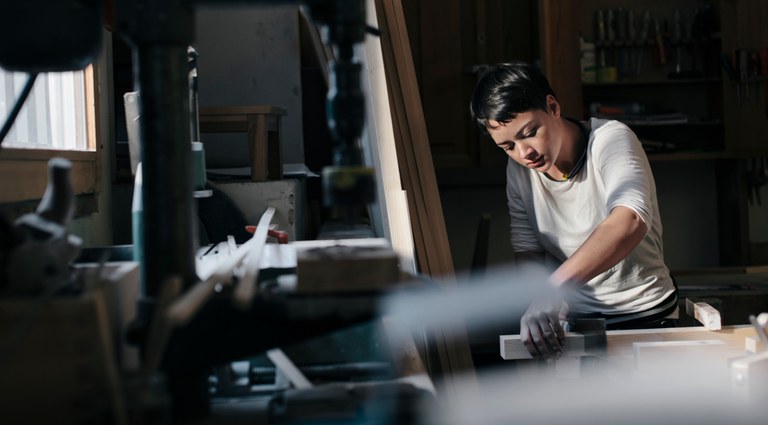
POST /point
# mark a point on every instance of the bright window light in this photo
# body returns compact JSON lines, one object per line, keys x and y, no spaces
{"x":54,"y":114}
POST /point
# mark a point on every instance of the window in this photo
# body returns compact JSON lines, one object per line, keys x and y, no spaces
{"x":58,"y":119}
{"x":54,"y":114}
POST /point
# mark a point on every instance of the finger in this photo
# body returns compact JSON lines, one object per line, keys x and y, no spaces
{"x":542,"y":335}
{"x":549,"y":333}
{"x":557,"y":327}
{"x":563,"y":317}
{"x":526,"y":339}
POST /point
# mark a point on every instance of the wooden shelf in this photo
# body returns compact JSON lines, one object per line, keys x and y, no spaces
{"x":702,"y":155}
{"x":750,"y":80}
{"x":665,"y":81}
{"x":687,"y":156}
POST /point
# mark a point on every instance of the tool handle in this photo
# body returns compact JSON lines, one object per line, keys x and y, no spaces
{"x":282,"y":237}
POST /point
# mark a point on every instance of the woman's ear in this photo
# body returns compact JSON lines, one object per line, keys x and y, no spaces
{"x":553,"y":105}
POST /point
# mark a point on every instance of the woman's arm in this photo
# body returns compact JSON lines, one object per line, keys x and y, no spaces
{"x":610,"y":242}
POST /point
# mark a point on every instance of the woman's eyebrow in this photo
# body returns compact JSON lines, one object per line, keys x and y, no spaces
{"x":521,"y":133}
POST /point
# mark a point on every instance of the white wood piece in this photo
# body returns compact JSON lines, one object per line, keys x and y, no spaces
{"x":246,"y":287}
{"x":704,"y":313}
{"x":753,"y":345}
{"x":285,"y":366}
{"x":185,"y":306}
{"x":513,"y":349}
{"x":749,"y":376}
{"x":620,"y":342}
{"x":661,"y":355}
{"x":391,"y":205}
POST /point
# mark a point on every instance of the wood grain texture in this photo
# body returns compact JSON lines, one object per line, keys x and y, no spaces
{"x":704,"y":313}
{"x":417,"y":169}
{"x":513,"y":349}
{"x":419,"y":182}
{"x":621,"y":343}
{"x":559,"y":38}
{"x":25,"y":172}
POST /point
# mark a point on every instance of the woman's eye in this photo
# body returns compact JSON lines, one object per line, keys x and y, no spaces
{"x":509,"y":147}
{"x":532,"y":133}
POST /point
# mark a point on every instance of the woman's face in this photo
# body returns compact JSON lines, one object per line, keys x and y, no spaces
{"x":533,"y":138}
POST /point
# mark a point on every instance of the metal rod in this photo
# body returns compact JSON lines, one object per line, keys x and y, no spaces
{"x":161,"y":75}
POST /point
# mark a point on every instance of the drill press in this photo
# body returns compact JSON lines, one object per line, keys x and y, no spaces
{"x":348,"y":183}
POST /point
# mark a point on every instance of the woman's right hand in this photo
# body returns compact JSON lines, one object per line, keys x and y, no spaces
{"x":540,"y":329}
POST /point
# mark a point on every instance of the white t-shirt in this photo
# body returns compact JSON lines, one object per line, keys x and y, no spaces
{"x":556,"y":217}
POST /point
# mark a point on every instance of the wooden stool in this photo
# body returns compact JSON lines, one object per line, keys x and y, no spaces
{"x":262,"y":123}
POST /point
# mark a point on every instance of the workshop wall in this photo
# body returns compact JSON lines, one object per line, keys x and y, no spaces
{"x":250,"y":56}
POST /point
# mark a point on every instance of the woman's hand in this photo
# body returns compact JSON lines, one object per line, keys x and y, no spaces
{"x":540,"y":329}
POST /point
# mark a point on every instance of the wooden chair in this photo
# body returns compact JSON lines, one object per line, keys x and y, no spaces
{"x":262,"y":123}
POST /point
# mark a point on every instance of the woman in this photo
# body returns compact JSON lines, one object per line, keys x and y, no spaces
{"x":583,"y":195}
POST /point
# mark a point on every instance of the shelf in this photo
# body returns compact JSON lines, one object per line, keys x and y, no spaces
{"x":669,"y":124}
{"x":702,"y":155}
{"x":666,"y":81}
{"x":750,"y":80}
{"x":687,"y":156}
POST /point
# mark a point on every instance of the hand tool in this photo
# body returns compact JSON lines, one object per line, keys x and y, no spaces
{"x":282,"y":237}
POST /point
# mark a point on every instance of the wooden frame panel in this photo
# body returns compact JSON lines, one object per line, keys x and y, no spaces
{"x":23,"y":172}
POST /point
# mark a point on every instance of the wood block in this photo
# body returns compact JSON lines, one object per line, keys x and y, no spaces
{"x":513,"y":349}
{"x":345,"y":265}
{"x":60,"y":366}
{"x":704,"y":313}
{"x":663,"y":355}
{"x":753,"y":345}
{"x":748,"y":376}
{"x":121,"y":291}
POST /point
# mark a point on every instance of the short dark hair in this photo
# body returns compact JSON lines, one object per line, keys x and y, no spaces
{"x":506,"y":89}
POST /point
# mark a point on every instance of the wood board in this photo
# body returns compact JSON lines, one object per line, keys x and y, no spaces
{"x":449,"y":350}
{"x":621,"y":343}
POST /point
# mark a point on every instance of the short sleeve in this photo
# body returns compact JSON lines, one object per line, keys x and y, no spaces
{"x":625,"y":170}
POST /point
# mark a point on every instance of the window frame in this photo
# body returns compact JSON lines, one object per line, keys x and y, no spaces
{"x":24,"y":171}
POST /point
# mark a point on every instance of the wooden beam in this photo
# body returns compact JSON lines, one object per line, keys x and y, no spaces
{"x":704,"y":313}
{"x":560,"y":53}
{"x":417,"y":169}
{"x":418,"y":177}
{"x":621,"y":343}
{"x":513,"y":349}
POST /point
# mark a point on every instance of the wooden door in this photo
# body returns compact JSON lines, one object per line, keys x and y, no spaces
{"x":452,"y":41}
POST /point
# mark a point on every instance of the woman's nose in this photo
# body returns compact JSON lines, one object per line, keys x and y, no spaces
{"x":525,"y":150}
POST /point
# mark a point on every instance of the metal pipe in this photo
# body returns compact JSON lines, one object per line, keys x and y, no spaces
{"x":161,"y":75}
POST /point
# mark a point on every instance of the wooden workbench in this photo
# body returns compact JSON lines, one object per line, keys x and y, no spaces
{"x":621,"y":344}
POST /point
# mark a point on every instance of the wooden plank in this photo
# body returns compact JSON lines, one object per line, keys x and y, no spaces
{"x":345,"y":265}
{"x":243,"y":110}
{"x":560,"y":52}
{"x":402,"y":137}
{"x":420,"y":169}
{"x":657,"y":355}
{"x":81,"y":383}
{"x":285,"y":366}
{"x":513,"y":349}
{"x":27,"y":172}
{"x":704,"y":313}
{"x":418,"y":176}
{"x":748,"y":377}
{"x":391,"y":208}
{"x":620,"y":343}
